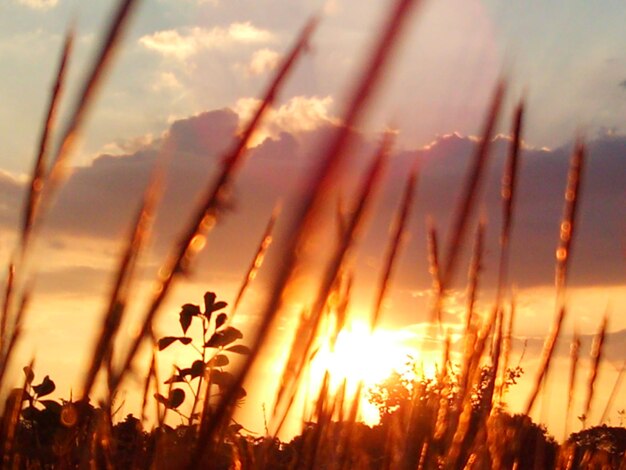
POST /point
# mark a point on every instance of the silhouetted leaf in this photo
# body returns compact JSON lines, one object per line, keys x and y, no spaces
{"x":174,"y":379}
{"x":218,"y":306}
{"x":196,"y":369}
{"x":190,"y":309}
{"x":52,"y":405}
{"x":186,"y":313}
{"x":220,"y":320}
{"x":44,"y":388}
{"x":165,"y":342}
{"x":168,"y":340}
{"x":222,"y":379}
{"x":176,"y":398}
{"x":185,"y":321}
{"x":209,"y":300}
{"x":240,"y":393}
{"x":219,"y":361}
{"x":224,"y":337}
{"x":239,"y":349}
{"x":210,"y":305}
{"x":160,"y":398}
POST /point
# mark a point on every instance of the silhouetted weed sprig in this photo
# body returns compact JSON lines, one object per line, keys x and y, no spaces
{"x":207,"y":372}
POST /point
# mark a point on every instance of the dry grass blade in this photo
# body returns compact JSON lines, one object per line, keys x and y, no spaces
{"x":596,"y":358}
{"x":469,"y":198}
{"x":84,"y":101}
{"x":6,"y":310}
{"x":574,"y":356}
{"x":495,"y":362}
{"x":568,"y":222}
{"x":433,"y":257}
{"x":341,"y":218}
{"x":257,"y":261}
{"x":146,"y":386}
{"x":563,"y":252}
{"x":473,"y":275}
{"x":508,"y":192}
{"x":546,"y":357}
{"x":469,"y":376}
{"x":10,"y":419}
{"x":307,"y":335}
{"x":395,"y":242}
{"x":41,"y":162}
{"x":118,"y":298}
{"x":193,"y":236}
{"x":347,"y":446}
{"x":506,"y":352}
{"x":321,"y":181}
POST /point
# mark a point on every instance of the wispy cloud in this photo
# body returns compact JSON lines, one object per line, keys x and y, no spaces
{"x":184,"y":43}
{"x":39,"y":4}
{"x":262,"y":61}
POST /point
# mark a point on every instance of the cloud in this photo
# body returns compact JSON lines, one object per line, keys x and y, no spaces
{"x":262,"y":61}
{"x":623,"y":84}
{"x":189,"y":41}
{"x":300,"y":114}
{"x":39,"y":4}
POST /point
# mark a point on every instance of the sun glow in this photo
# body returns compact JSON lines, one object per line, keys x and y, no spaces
{"x":360,"y":356}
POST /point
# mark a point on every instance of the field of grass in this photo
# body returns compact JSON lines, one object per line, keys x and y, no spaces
{"x":454,"y":418}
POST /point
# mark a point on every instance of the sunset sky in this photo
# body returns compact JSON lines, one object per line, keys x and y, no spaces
{"x":189,"y":71}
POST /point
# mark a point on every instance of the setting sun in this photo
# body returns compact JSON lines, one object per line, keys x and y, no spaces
{"x":361,"y":356}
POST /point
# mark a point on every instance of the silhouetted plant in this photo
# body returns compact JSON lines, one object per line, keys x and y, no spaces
{"x":206,"y":372}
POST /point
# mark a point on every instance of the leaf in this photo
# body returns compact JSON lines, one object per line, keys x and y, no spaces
{"x":219,"y":361}
{"x":168,"y":340}
{"x":185,"y":321}
{"x":220,"y":320}
{"x":30,"y":375}
{"x":52,"y":405}
{"x":218,"y":306}
{"x":241,"y":393}
{"x":176,"y":398}
{"x":222,"y":379}
{"x":224,"y":337}
{"x":176,"y":378}
{"x":44,"y":388}
{"x":190,"y":309}
{"x":186,"y":313}
{"x":160,"y":398}
{"x":210,"y":305}
{"x":165,"y":342}
{"x":239,"y":349}
{"x":209,"y":300}
{"x":196,"y":369}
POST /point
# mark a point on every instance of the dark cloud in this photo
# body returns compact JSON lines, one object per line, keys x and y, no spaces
{"x":98,"y":201}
